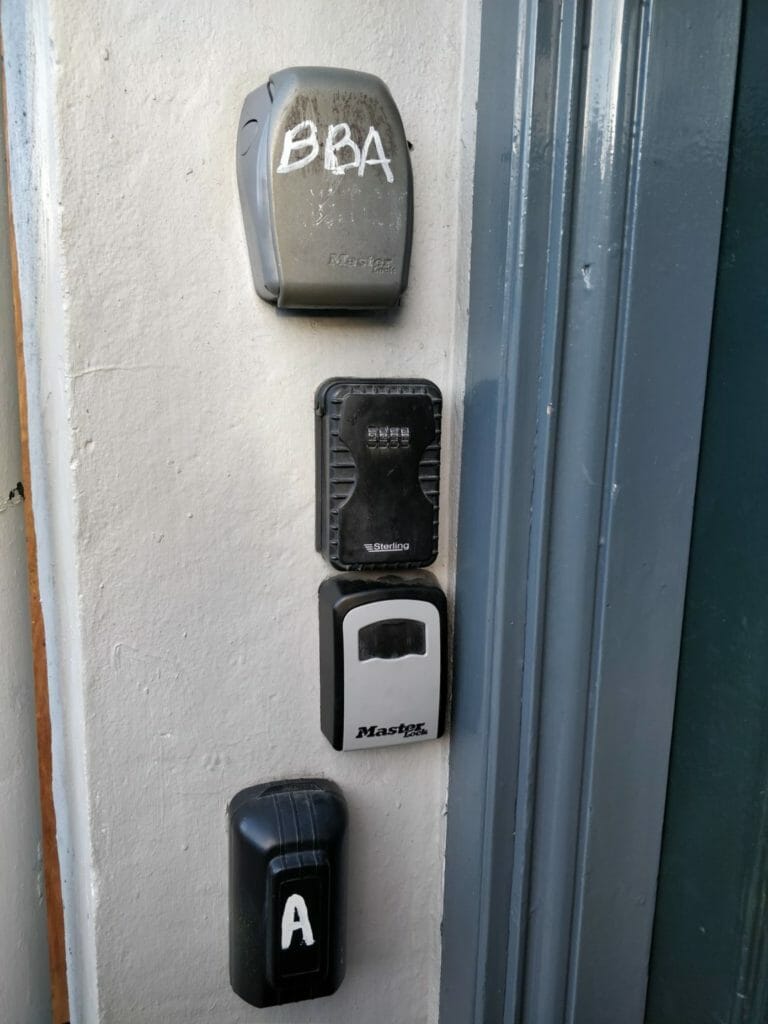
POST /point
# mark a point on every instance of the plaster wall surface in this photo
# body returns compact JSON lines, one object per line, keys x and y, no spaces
{"x":172,"y":439}
{"x":24,"y":984}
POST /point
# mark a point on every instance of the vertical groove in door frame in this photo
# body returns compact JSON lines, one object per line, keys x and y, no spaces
{"x":530,"y":65}
{"x":50,"y":854}
{"x":683,"y":90}
{"x":597,"y":212}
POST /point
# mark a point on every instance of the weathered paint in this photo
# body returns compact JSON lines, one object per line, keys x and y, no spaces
{"x":597,"y":216}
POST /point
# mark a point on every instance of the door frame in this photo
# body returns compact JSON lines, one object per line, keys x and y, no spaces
{"x":603,"y":132}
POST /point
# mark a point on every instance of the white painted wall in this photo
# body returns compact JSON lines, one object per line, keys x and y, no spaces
{"x":24,"y":984}
{"x":172,"y":442}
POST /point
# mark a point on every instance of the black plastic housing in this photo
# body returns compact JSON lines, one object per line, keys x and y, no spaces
{"x":287,"y":838}
{"x":377,"y":444}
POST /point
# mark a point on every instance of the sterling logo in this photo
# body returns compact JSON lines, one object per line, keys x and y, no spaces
{"x":394,"y":546}
{"x":407,"y":731}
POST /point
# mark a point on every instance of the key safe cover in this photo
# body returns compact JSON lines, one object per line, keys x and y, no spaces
{"x":287,"y":891}
{"x":325,"y":186}
{"x":378,"y":472}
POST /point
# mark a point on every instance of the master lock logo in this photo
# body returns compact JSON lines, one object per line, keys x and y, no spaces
{"x":412,"y":729}
{"x":376,"y":264}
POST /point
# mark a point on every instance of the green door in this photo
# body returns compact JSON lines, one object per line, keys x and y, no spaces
{"x":710,"y":947}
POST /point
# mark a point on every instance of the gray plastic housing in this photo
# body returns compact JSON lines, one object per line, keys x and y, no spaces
{"x":326,"y":190}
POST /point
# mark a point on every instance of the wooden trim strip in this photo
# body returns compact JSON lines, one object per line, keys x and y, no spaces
{"x":50,"y":854}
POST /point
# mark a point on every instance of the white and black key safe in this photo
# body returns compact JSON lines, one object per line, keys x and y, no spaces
{"x":382,"y":660}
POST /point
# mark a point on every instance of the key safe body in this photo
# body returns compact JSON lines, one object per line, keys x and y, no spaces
{"x":383,"y":677}
{"x":287,"y":891}
{"x":377,"y":451}
{"x":326,"y":190}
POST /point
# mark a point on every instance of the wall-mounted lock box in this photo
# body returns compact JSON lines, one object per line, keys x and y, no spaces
{"x":326,"y":189}
{"x":377,"y":447}
{"x":383,"y":677}
{"x":287,"y":891}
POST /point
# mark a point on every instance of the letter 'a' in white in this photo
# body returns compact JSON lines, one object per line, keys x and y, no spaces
{"x":373,"y":138}
{"x":296,"y":918}
{"x":291,"y":143}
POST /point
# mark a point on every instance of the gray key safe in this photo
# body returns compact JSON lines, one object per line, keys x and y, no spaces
{"x":326,"y":189}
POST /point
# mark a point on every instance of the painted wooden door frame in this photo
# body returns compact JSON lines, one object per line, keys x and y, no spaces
{"x":602,"y":147}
